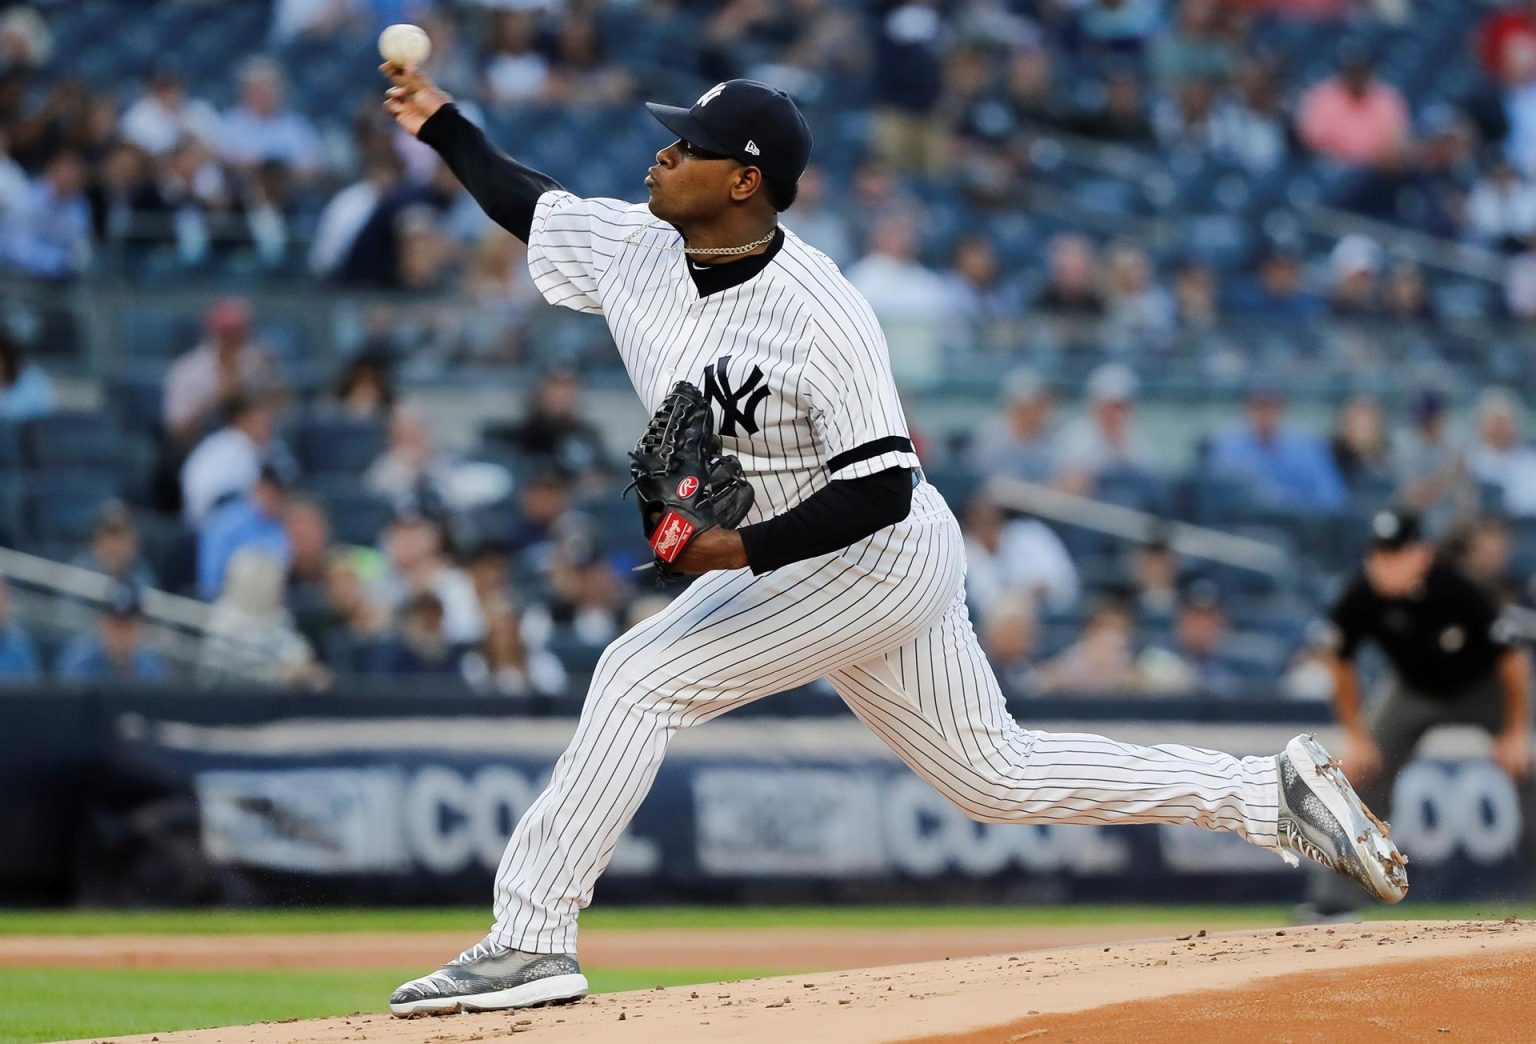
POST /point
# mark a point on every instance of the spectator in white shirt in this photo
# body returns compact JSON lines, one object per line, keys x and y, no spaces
{"x":1102,"y":439}
{"x":912,"y":302}
{"x":1022,"y":555}
{"x":1018,"y":444}
{"x":227,"y":365}
{"x":898,"y":286}
{"x":411,"y":473}
{"x":827,"y":228}
{"x":1499,"y":458}
{"x":227,"y":463}
{"x":316,"y":19}
{"x":1009,"y":634}
{"x":517,"y":71}
{"x":261,"y":129}
{"x":1501,"y":209}
{"x":163,"y":115}
{"x":1136,"y":303}
{"x":414,"y":547}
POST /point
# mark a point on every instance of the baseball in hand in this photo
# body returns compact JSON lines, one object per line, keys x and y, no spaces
{"x":404,"y":44}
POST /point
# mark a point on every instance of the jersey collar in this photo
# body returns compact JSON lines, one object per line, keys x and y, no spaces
{"x":711,"y":279}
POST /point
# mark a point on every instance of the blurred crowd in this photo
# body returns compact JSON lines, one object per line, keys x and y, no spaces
{"x":256,"y":163}
{"x":338,"y":537}
{"x":457,"y":568}
{"x":331,"y":533}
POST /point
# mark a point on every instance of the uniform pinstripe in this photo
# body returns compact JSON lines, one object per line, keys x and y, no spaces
{"x":884,"y":619}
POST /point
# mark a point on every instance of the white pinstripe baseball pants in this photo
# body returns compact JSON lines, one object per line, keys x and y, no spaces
{"x":885,"y":620}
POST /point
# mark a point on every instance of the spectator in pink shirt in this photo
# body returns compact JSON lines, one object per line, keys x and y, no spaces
{"x":1354,"y":117}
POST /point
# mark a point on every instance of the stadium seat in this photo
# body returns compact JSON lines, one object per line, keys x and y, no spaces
{"x":61,"y":507}
{"x":12,"y":520}
{"x":137,"y":401}
{"x":956,"y":485}
{"x":1137,"y":490}
{"x":578,"y":657}
{"x":1217,"y":500}
{"x":11,"y":456}
{"x":170,"y":547}
{"x":338,"y":445}
{"x":158,"y":333}
{"x":83,"y":441}
{"x":356,"y":515}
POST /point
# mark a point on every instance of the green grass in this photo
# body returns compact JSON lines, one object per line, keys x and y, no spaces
{"x":124,"y":1001}
{"x":474,"y":920}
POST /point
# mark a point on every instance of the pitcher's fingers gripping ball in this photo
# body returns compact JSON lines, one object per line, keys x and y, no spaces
{"x":684,"y":484}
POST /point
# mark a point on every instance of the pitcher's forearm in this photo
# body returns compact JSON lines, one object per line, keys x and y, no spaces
{"x":508,"y":191}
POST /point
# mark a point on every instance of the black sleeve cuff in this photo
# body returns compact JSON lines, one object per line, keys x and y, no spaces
{"x":438,"y":128}
{"x":841,"y":513}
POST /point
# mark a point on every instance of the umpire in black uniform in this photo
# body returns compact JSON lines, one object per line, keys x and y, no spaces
{"x":1451,"y":663}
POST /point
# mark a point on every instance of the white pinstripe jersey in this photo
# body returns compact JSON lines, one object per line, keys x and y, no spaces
{"x":793,"y":360}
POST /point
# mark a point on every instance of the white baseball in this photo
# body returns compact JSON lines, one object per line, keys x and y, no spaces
{"x":404,"y":44}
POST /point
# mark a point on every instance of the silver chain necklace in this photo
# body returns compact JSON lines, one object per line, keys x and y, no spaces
{"x":743,"y":249}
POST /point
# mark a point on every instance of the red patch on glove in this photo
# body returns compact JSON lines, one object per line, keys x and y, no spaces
{"x":671,"y":536}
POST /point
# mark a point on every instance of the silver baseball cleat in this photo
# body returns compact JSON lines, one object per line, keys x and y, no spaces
{"x":1322,"y":818}
{"x":486,"y":977}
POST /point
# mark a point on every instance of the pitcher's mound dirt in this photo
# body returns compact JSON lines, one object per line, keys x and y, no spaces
{"x":761,"y":949}
{"x":1396,"y":981}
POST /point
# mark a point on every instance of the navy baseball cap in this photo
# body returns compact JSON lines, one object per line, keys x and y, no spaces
{"x":749,"y":121}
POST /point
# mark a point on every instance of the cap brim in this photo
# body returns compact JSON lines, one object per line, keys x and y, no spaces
{"x":681,"y":122}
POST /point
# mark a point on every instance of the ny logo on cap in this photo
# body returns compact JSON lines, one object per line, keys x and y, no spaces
{"x":710,"y":95}
{"x":752,"y":149}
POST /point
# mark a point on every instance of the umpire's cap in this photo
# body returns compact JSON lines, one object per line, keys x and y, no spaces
{"x":748,"y":121}
{"x":1394,"y":529}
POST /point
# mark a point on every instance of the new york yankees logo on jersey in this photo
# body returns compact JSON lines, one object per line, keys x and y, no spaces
{"x":738,"y":405}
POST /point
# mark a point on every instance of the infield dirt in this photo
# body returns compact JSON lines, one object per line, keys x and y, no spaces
{"x":1397,"y":981}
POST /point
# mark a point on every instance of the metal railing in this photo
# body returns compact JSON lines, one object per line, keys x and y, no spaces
{"x":67,"y":600}
{"x":1188,"y":540}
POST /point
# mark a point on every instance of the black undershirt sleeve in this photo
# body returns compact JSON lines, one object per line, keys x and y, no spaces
{"x":843,"y":512}
{"x":506,"y":190}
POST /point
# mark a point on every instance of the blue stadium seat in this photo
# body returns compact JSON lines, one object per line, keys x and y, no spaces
{"x":137,"y":400}
{"x":577,"y":656}
{"x":1136,"y":490}
{"x":61,"y":507}
{"x":338,"y":445}
{"x":12,"y":520}
{"x":356,"y":515}
{"x":957,"y":485}
{"x":82,"y":441}
{"x":170,"y":547}
{"x":1216,"y":500}
{"x":158,"y":334}
{"x":1084,"y":544}
{"x":11,"y":456}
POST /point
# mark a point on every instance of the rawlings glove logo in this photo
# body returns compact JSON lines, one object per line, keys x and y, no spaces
{"x":671,"y":536}
{"x":688,"y":487}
